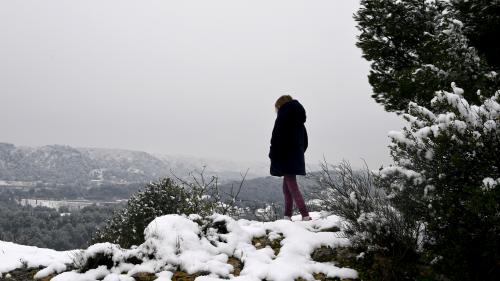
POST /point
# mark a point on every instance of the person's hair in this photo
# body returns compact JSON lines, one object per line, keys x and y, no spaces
{"x":282,"y":100}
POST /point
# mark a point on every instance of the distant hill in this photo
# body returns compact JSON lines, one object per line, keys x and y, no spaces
{"x":66,"y":165}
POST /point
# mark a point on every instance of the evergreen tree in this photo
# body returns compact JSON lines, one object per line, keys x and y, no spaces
{"x":418,"y":47}
{"x":447,"y":176}
{"x":481,"y":19}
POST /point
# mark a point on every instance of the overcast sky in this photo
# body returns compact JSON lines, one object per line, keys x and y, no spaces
{"x":187,"y":77}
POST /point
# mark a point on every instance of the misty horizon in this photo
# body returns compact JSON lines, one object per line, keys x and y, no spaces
{"x":196,"y":79}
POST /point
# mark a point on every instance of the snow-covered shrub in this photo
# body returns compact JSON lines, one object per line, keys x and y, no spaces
{"x":164,"y":197}
{"x":446,"y":174}
{"x":372,"y":223}
{"x":269,"y":212}
{"x":208,"y":197}
{"x":345,"y":192}
{"x":199,"y":196}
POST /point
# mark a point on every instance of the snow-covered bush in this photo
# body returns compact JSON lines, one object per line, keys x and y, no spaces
{"x":126,"y":227}
{"x":208,"y":198}
{"x":446,"y":174}
{"x":371,"y":222}
{"x":269,"y":212}
{"x":160,"y":198}
{"x":345,"y":192}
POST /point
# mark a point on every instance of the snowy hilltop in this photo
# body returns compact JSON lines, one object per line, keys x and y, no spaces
{"x":22,"y":166}
{"x":195,"y":248}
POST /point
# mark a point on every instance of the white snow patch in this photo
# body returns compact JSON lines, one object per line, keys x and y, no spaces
{"x":55,"y":267}
{"x":164,"y":276}
{"x":13,"y":256}
{"x":399,"y":137}
{"x":489,"y":183}
{"x":94,"y":274}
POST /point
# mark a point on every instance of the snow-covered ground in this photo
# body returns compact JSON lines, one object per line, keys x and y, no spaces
{"x":195,"y":245}
{"x":14,"y":256}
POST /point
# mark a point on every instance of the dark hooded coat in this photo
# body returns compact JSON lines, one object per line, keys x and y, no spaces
{"x":289,"y":141}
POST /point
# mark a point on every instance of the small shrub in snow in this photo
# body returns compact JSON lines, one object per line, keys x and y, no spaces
{"x":270,"y":212}
{"x":372,"y":223}
{"x":208,"y":198}
{"x":345,"y":192}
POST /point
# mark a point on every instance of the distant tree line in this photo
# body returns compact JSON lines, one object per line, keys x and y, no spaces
{"x":50,"y":228}
{"x":102,"y":193}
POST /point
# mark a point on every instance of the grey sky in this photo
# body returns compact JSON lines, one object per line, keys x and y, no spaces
{"x":187,"y":77}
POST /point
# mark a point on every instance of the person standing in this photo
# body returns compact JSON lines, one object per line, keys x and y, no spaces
{"x":288,"y":145}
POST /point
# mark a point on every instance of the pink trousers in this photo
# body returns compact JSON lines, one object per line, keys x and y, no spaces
{"x":292,"y":193}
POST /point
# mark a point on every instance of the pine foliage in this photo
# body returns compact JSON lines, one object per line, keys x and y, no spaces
{"x":481,"y":19}
{"x":446,"y":175}
{"x":419,"y":47}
